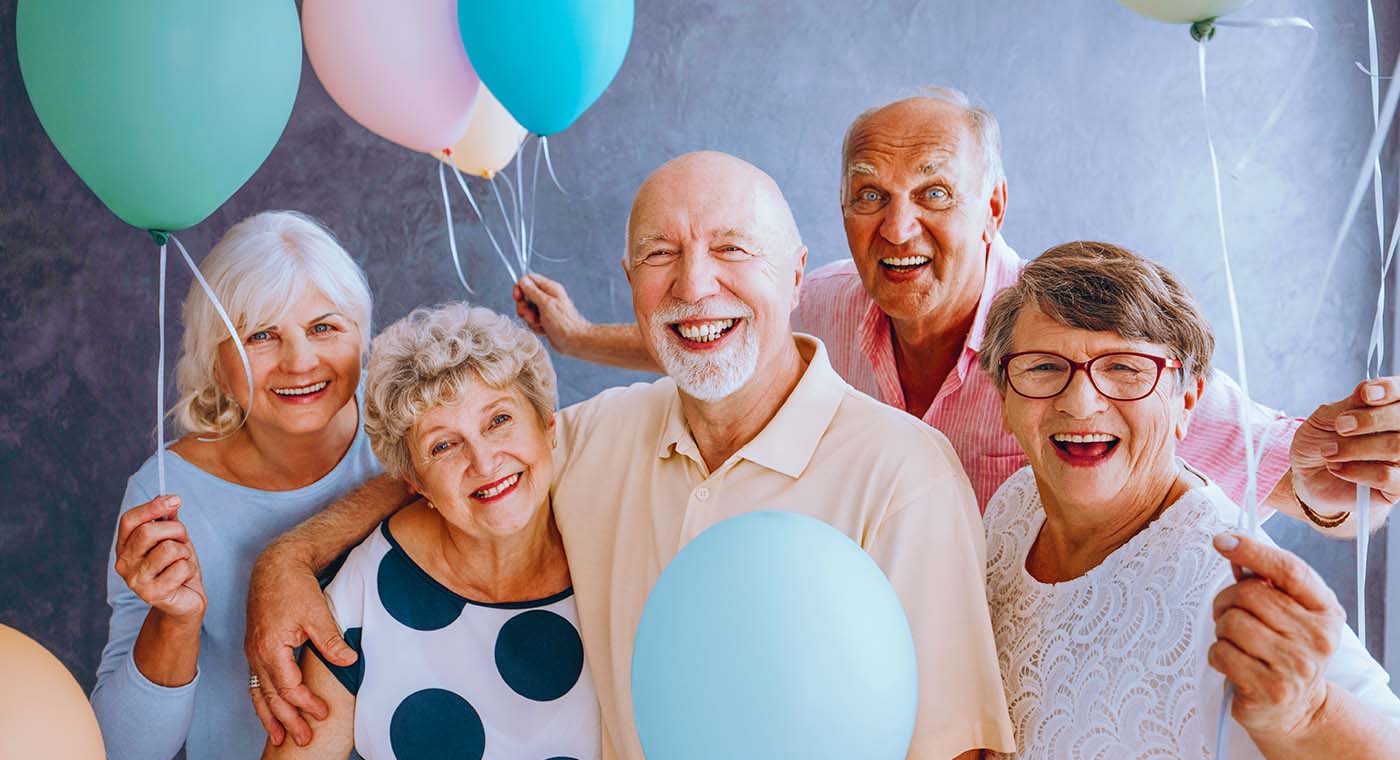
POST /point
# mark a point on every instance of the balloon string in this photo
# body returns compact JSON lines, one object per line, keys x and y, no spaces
{"x":519,"y":206}
{"x":1368,"y":168}
{"x":505,"y":216}
{"x":1295,"y":79}
{"x":496,"y":246}
{"x":534,"y":188}
{"x":232,"y":332}
{"x":160,"y":379}
{"x":544,"y":143}
{"x":1251,"y":463}
{"x":451,"y":231}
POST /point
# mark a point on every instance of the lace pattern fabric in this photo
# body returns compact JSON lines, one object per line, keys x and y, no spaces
{"x":1112,"y":664}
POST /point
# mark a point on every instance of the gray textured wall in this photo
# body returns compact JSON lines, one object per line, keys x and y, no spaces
{"x":1103,"y":140}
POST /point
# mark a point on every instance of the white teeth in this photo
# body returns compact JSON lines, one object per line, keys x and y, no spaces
{"x":704,"y":332}
{"x":301,"y":391}
{"x":1090,"y":438}
{"x":905,"y":261}
{"x":496,"y":490}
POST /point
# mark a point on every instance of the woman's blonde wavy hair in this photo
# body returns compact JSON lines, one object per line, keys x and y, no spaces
{"x":257,"y":270}
{"x":426,"y":360}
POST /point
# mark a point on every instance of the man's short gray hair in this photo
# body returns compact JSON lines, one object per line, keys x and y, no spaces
{"x":982,"y":122}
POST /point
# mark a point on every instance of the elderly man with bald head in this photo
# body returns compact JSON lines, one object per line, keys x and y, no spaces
{"x":923,"y":198}
{"x":750,"y":417}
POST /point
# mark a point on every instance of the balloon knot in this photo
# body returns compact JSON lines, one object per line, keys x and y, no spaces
{"x":160,"y":236}
{"x":1203,"y":30}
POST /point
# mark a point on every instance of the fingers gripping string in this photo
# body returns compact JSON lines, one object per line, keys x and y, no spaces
{"x":451,"y":231}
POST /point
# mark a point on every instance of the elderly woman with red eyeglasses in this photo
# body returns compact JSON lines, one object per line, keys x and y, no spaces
{"x":1109,"y":558}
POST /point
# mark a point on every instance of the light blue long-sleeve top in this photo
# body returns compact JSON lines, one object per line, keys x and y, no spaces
{"x":229,"y":525}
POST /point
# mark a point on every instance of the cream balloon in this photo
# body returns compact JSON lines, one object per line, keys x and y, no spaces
{"x":491,"y":140}
{"x":1184,"y":11}
{"x":43,"y":711}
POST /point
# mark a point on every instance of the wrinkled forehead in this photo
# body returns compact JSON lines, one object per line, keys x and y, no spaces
{"x":912,"y":143}
{"x":696,"y":212}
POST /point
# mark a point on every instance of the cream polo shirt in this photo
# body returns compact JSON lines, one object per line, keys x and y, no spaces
{"x":631,"y":489}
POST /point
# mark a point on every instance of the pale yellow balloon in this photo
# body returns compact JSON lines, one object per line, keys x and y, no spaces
{"x":1184,"y":11}
{"x":491,"y":139}
{"x":43,"y":711}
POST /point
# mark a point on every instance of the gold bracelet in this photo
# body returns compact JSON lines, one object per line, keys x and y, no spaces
{"x":1322,"y":521}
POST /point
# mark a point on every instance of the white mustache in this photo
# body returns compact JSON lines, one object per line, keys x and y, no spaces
{"x":681,"y":311}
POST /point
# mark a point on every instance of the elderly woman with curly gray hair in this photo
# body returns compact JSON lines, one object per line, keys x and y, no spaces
{"x":460,"y":606}
{"x":1109,"y":558}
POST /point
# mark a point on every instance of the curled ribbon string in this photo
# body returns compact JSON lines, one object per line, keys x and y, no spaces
{"x":1250,"y":508}
{"x":160,"y":380}
{"x":462,"y":183}
{"x":544,"y":143}
{"x":451,"y":232}
{"x":228,"y":325}
{"x":1368,"y":168}
{"x":519,"y":207}
{"x":1294,"y":81}
{"x":534,"y":191}
{"x":506,"y":216}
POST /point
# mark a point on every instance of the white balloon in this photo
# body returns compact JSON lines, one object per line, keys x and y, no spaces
{"x":1184,"y":11}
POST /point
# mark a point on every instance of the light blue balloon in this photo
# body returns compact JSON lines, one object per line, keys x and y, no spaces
{"x":546,"y":61}
{"x":773,"y":635}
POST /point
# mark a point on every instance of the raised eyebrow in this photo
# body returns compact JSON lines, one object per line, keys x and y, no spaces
{"x":326,"y":316}
{"x":861,"y":168}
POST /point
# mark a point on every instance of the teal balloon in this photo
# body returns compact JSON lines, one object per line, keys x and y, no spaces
{"x":772,"y":635}
{"x":163,"y":107}
{"x":546,"y":61}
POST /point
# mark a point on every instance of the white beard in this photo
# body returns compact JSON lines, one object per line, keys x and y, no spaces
{"x":712,"y":375}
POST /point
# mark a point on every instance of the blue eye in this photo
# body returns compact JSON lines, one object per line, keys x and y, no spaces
{"x":937,"y":193}
{"x":440,"y":447}
{"x":321,"y":328}
{"x":260,"y":336}
{"x":500,"y":419}
{"x":870,"y":196}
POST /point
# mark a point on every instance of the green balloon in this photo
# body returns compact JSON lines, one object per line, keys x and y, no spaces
{"x":163,"y":107}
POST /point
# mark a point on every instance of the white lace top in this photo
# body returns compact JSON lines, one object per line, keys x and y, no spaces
{"x":1112,"y":664}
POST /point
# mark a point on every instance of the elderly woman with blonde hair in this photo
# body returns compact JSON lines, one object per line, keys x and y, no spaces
{"x":252,"y":462}
{"x":1110,"y":607}
{"x":460,"y":606}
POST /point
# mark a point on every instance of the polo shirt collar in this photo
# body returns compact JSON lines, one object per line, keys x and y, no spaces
{"x":786,"y":444}
{"x":1003,"y":267}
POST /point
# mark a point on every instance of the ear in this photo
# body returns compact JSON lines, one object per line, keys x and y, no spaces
{"x":626,"y":271}
{"x":1190,"y":396}
{"x":1005,"y":421}
{"x":552,"y":430}
{"x":996,"y":207}
{"x":798,"y":274}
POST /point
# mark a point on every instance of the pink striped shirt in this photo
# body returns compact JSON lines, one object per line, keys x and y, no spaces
{"x":836,"y":309}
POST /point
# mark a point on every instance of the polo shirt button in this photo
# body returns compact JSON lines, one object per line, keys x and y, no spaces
{"x":702,"y":493}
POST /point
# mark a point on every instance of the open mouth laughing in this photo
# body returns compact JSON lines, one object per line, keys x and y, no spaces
{"x":1084,"y":449}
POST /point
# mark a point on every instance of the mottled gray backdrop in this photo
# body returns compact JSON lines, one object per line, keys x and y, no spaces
{"x":1103,"y":139}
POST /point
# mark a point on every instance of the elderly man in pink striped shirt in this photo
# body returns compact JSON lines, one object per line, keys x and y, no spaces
{"x":923,"y":197}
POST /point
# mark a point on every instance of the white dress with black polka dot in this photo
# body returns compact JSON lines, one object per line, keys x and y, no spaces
{"x":443,"y":676}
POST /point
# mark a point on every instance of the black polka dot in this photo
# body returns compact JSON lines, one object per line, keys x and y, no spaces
{"x":412,"y":597}
{"x":539,"y":655}
{"x":435,"y":723}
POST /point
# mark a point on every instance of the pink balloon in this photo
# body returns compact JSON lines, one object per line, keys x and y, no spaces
{"x":398,"y":68}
